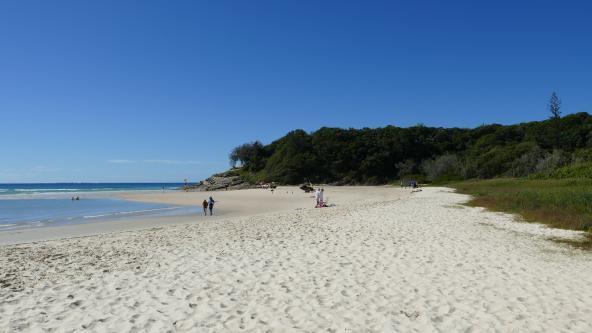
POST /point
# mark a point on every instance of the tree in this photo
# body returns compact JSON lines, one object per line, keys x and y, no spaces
{"x":374,"y":156}
{"x":443,"y":167}
{"x":406,"y":168}
{"x":555,"y":110}
{"x":555,"y":106}
{"x":250,"y":155}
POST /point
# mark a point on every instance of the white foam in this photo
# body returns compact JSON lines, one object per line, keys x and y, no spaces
{"x":47,"y":189}
{"x":129,"y":212}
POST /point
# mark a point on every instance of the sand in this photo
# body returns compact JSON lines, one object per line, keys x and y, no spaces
{"x":385,"y":262}
{"x":259,"y":201}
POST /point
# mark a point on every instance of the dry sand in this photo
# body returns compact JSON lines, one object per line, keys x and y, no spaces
{"x":384,"y":261}
{"x":258,"y":201}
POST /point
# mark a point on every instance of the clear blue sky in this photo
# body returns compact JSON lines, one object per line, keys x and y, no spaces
{"x":162,"y":90}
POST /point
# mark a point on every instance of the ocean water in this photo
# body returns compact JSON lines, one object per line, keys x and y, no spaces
{"x":25,"y":206}
{"x":73,"y":188}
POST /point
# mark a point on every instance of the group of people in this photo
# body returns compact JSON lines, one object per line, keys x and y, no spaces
{"x":414,"y":184}
{"x":208,"y":204}
{"x":319,"y":198}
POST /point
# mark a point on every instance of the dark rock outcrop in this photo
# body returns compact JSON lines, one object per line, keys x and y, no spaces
{"x":228,"y":180}
{"x":307,"y":188}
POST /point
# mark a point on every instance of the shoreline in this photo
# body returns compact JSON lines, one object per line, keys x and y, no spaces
{"x":82,"y":194}
{"x":234,"y":203}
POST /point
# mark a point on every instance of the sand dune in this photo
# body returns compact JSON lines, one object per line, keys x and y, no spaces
{"x":396,"y":262}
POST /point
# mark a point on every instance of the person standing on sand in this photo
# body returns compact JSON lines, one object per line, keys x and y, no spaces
{"x":211,"y":205}
{"x":317,"y":195}
{"x":321,"y":197}
{"x":205,"y":207}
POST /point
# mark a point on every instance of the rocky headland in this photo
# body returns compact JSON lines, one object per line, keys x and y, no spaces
{"x":228,"y":180}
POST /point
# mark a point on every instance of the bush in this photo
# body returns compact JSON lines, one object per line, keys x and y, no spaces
{"x":527,"y":163}
{"x":582,"y":156}
{"x":445,"y":167}
{"x":575,"y":171}
{"x":551,"y":161}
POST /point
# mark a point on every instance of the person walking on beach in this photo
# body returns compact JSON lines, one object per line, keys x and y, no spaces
{"x":211,"y":205}
{"x":205,"y":207}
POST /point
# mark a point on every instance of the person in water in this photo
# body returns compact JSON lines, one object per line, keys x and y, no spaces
{"x":205,"y":207}
{"x":211,"y":205}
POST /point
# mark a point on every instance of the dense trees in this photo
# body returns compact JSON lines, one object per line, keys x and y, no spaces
{"x":381,"y":155}
{"x":252,"y":156}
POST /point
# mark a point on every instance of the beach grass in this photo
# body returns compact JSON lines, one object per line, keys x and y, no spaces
{"x":558,"y":203}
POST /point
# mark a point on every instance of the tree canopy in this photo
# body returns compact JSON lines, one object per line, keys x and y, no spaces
{"x":381,"y":155}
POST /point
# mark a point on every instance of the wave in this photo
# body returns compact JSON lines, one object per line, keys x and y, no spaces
{"x":128,"y":212}
{"x":47,"y":189}
{"x":101,"y":189}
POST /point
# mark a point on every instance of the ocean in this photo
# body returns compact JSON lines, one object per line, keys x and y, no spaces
{"x":24,"y":206}
{"x":68,"y":188}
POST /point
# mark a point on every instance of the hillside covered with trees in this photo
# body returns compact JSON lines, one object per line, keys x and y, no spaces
{"x":381,"y":155}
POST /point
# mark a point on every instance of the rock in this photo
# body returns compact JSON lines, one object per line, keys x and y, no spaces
{"x":306,"y":188}
{"x":231,"y":180}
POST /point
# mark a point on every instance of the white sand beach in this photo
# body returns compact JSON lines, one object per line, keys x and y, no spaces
{"x":259,"y":201}
{"x":381,"y":260}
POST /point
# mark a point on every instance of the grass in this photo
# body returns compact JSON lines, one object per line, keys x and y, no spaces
{"x":572,"y":171}
{"x":558,"y":203}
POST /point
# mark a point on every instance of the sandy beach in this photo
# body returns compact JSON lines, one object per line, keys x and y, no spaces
{"x":382,"y":260}
{"x":259,"y":201}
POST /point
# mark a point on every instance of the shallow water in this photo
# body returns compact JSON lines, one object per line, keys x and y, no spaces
{"x":31,"y":213}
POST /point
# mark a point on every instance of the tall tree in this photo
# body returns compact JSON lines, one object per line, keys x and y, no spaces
{"x":555,"y":106}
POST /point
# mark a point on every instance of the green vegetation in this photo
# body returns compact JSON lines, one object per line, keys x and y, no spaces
{"x":573,"y":171}
{"x":559,"y":203}
{"x":559,"y":147}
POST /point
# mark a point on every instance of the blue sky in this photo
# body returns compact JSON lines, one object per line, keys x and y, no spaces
{"x":163,"y":90}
